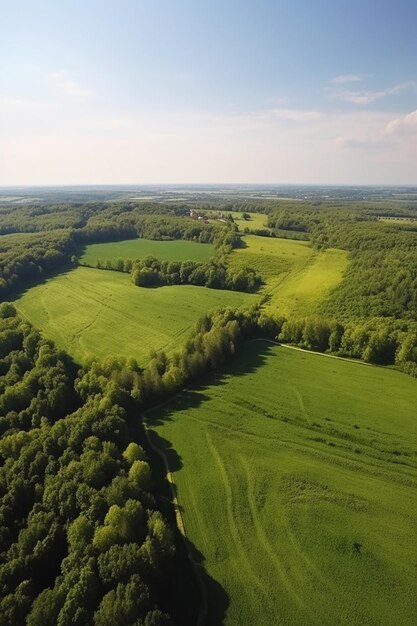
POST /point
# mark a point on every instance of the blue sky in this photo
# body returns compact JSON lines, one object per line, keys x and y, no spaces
{"x":318,"y":91}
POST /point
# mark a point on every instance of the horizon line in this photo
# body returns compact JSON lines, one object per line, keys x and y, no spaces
{"x":201,"y":184}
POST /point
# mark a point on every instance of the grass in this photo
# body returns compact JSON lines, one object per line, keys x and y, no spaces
{"x":178,"y":250}
{"x":297,"y":478}
{"x":297,"y":278}
{"x":256,"y":221}
{"x":96,"y":312}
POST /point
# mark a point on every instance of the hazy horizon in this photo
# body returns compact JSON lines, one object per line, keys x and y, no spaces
{"x":176,"y":184}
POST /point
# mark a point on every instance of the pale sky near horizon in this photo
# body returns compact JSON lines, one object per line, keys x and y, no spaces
{"x":213,"y":91}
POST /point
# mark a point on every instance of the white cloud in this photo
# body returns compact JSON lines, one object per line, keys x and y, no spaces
{"x":367,"y":97}
{"x":348,"y":78}
{"x":405,"y":124}
{"x":68,"y":86}
{"x":297,"y":115}
{"x":387,"y":139}
{"x":80,"y":145}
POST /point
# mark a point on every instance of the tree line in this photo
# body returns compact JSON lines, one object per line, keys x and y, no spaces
{"x":215,"y":274}
{"x":150,"y":272}
{"x":382,"y":341}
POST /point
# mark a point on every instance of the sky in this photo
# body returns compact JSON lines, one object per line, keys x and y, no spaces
{"x":208,"y":91}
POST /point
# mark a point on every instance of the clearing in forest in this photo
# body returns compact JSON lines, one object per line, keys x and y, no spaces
{"x":90,"y":312}
{"x":178,"y":250}
{"x":256,"y":220}
{"x":297,"y":277}
{"x":296,"y":475}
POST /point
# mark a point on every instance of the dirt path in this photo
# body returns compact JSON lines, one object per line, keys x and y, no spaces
{"x":329,"y":356}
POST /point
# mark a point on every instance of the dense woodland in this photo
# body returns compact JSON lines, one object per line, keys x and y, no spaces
{"x":215,"y":274}
{"x":374,"y":308}
{"x":81,"y":538}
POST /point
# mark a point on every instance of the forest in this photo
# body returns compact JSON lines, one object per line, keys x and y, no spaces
{"x":81,"y":535}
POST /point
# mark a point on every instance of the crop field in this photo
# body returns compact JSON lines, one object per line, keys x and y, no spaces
{"x":97,"y":312}
{"x":297,"y":278}
{"x":296,"y":476}
{"x":178,"y":250}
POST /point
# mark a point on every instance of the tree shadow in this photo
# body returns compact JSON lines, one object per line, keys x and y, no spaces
{"x":42,"y":279}
{"x":249,"y":357}
{"x":165,"y":449}
{"x":214,"y":598}
{"x":191,"y":596}
{"x":195,"y":596}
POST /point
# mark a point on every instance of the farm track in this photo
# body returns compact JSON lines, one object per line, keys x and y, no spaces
{"x":234,"y":532}
{"x":263,"y":540}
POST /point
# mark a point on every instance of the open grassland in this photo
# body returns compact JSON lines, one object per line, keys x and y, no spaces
{"x":296,"y":475}
{"x":178,"y":250}
{"x":101,"y":313}
{"x":255,"y":221}
{"x":297,"y":278}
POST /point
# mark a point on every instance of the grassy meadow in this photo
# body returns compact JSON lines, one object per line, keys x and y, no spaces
{"x":256,"y":220}
{"x":97,"y":312}
{"x":297,"y":278}
{"x":178,"y":250}
{"x":296,"y":475}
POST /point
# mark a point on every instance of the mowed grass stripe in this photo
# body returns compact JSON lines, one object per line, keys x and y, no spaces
{"x":324,"y":510}
{"x":178,"y":250}
{"x":90,"y":312}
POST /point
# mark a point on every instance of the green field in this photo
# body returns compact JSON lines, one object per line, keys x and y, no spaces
{"x":101,"y":313}
{"x":178,"y":250}
{"x":297,"y":278}
{"x":256,"y":221}
{"x":296,"y":475}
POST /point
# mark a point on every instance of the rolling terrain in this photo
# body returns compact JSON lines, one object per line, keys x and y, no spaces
{"x":90,"y":312}
{"x":296,"y":477}
{"x":297,"y":278}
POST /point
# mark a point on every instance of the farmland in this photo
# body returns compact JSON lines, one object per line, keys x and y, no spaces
{"x":296,"y":475}
{"x":178,"y":250}
{"x":100,"y":313}
{"x":297,"y":278}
